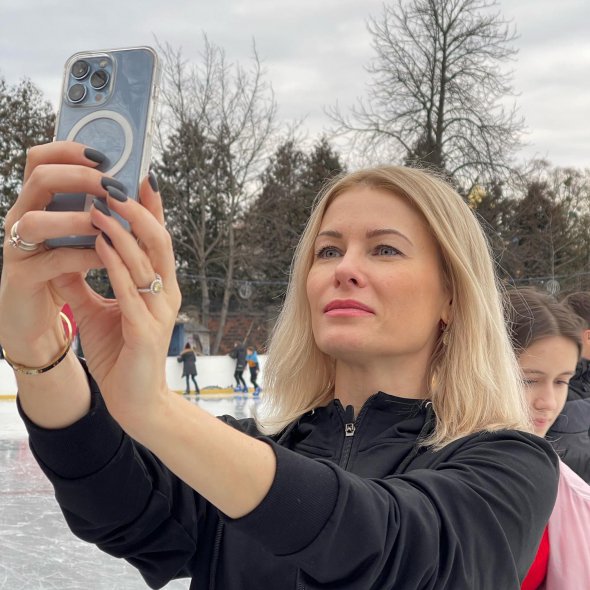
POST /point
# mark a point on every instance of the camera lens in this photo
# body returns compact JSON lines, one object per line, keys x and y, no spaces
{"x":99,"y":79}
{"x":77,"y":92}
{"x":80,"y":69}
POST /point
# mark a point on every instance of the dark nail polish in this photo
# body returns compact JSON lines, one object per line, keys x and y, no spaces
{"x":107,"y":239}
{"x":101,"y":206}
{"x":107,"y":182}
{"x":115,"y":193}
{"x":153,"y":181}
{"x":94,"y":155}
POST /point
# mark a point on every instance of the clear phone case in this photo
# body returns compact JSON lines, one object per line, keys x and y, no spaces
{"x":108,"y":103}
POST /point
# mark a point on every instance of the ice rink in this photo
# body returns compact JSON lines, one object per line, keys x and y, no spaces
{"x":37,"y":550}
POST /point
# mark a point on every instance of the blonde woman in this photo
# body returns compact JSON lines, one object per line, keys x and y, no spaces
{"x":394,"y":450}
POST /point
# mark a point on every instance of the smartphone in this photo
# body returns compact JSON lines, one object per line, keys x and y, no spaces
{"x":108,"y":103}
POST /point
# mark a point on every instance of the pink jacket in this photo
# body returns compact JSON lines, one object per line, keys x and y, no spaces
{"x":569,"y":534}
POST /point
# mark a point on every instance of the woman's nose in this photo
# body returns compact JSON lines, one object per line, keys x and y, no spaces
{"x":349,"y":270}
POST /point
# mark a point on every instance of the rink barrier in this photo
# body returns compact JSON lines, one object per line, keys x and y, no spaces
{"x":210,"y":370}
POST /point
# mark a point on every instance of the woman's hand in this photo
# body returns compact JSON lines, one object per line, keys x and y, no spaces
{"x":126,"y":339}
{"x":30,"y":299}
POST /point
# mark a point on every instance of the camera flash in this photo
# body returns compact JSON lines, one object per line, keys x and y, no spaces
{"x":104,"y":63}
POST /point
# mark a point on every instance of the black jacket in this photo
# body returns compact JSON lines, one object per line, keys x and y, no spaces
{"x":239,"y":353}
{"x":579,"y":385}
{"x":570,"y":436}
{"x":570,"y":433}
{"x":188,"y":358}
{"x":358,"y":505}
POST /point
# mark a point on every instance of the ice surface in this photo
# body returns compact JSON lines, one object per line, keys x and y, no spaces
{"x":37,"y":550}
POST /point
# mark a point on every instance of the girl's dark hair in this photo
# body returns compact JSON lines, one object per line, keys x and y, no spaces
{"x":580,"y":303}
{"x":534,"y":314}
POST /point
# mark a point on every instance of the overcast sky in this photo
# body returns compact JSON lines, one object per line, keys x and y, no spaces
{"x":314,"y":52}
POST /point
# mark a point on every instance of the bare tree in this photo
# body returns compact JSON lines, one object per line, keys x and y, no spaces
{"x":218,"y":122}
{"x":437,"y":86}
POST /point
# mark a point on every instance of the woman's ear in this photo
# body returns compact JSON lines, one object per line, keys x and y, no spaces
{"x":447,"y":313}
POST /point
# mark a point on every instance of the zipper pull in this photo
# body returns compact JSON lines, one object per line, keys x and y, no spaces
{"x":349,"y":427}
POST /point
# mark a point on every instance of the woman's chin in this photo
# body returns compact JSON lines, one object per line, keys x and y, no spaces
{"x":346,"y":349}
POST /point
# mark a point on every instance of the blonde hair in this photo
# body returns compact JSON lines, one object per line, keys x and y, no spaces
{"x":474,"y":383}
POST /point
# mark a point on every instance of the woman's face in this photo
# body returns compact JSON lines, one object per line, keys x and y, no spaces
{"x":376,"y":288}
{"x":547,"y":366}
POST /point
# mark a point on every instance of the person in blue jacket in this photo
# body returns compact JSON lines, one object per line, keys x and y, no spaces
{"x":393,"y":448}
{"x":254,"y":366}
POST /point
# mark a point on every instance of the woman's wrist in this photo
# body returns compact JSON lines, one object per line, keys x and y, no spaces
{"x":57,"y":398}
{"x":38,"y":352}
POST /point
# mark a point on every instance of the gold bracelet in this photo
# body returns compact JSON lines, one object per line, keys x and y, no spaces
{"x":62,"y":355}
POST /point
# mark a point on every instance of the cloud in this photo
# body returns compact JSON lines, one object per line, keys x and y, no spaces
{"x":315,"y":51}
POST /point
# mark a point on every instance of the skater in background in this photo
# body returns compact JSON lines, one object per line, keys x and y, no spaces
{"x":188,"y":358}
{"x":239,"y":353}
{"x":254,"y":366}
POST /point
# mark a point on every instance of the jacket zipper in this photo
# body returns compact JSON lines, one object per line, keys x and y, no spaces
{"x":351,"y":427}
{"x":215,"y":557}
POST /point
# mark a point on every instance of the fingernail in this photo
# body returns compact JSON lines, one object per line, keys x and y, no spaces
{"x":153,"y":182}
{"x":94,"y":155}
{"x":107,"y":239}
{"x":108,"y":182}
{"x":117,"y":194}
{"x":94,"y":226}
{"x":101,"y":206}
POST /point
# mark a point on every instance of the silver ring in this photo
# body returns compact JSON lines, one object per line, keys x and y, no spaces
{"x":17,"y":242}
{"x":156,"y":286}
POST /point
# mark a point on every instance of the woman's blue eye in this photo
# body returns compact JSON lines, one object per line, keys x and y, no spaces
{"x":387,"y":250}
{"x":328,"y":252}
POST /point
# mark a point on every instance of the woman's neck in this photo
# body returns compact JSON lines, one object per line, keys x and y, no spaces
{"x":355,"y":383}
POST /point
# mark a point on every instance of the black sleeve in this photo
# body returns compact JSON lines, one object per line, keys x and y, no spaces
{"x":118,"y":495}
{"x":472,"y":522}
{"x":570,"y":437}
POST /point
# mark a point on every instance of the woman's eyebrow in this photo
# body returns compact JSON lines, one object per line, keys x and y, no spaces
{"x":374,"y":233}
{"x":388,"y":231}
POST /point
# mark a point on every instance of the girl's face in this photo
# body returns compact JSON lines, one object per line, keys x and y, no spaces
{"x":547,"y":366}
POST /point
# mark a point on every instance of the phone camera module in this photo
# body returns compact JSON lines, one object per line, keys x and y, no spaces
{"x":99,"y":79}
{"x":80,"y":69}
{"x":77,"y":92}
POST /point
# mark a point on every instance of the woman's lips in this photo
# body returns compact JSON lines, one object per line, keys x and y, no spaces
{"x":347,"y":308}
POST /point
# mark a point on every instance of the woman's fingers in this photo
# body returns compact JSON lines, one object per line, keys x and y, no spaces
{"x":149,"y":197}
{"x":46,"y":266}
{"x":38,"y":226}
{"x":61,"y":152}
{"x":47,"y":180}
{"x":158,"y":256}
{"x":130,"y":302}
